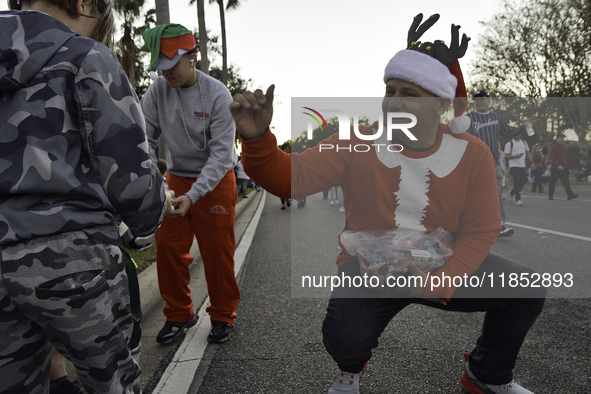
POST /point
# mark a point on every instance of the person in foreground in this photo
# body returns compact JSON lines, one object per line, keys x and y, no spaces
{"x":444,"y":178}
{"x":190,"y":110}
{"x":75,"y":161}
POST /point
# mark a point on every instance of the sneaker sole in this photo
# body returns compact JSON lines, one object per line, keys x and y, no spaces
{"x":506,"y":233}
{"x":180,"y":332}
{"x":469,"y":387}
{"x":221,"y":340}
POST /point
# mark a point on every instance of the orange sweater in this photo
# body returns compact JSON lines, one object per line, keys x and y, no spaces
{"x":452,"y":185}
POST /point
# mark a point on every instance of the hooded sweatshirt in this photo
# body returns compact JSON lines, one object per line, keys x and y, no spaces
{"x":73,"y":148}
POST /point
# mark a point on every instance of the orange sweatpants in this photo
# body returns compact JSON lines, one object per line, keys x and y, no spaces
{"x":211,"y":221}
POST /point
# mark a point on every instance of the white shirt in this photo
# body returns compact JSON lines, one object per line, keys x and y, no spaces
{"x":515,"y":147}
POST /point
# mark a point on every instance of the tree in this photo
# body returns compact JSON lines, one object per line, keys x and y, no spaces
{"x":162,"y":12}
{"x":540,"y":49}
{"x":302,"y":142}
{"x":202,"y":35}
{"x":236,"y":84}
{"x":232,"y":4}
{"x":126,"y":50}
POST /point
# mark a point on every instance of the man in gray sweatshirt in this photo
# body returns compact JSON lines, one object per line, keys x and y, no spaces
{"x":190,"y":109}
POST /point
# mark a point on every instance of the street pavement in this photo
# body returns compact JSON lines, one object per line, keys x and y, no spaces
{"x":277,"y":345}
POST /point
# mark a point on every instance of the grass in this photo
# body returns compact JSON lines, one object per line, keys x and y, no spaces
{"x":143,"y":259}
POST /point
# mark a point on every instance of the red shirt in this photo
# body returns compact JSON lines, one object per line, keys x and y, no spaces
{"x":558,"y":156}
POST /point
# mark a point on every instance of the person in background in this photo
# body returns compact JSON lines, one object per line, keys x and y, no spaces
{"x":583,"y":172}
{"x":559,"y":168}
{"x":538,"y":152}
{"x":334,"y":196}
{"x":242,"y":179}
{"x":75,"y":162}
{"x":190,"y":110}
{"x":516,"y":153}
{"x":285,"y":202}
{"x":490,"y":126}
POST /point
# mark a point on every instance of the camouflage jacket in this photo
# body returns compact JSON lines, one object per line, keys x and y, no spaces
{"x":73,"y":148}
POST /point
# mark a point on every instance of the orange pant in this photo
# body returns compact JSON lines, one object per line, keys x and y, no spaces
{"x":211,"y":221}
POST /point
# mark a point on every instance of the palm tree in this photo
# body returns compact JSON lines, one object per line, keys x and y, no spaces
{"x":162,"y":12}
{"x":127,"y":51}
{"x":202,"y":36}
{"x":232,"y":4}
{"x":162,"y":17}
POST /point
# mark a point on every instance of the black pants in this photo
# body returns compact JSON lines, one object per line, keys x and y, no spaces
{"x":537,"y":175}
{"x":519,"y":179}
{"x":555,"y":175}
{"x":352,"y":326}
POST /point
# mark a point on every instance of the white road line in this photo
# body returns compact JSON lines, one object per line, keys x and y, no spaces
{"x":179,"y":374}
{"x":545,"y":197}
{"x":550,"y":231}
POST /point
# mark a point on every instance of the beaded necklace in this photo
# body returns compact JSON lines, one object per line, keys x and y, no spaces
{"x":176,"y":91}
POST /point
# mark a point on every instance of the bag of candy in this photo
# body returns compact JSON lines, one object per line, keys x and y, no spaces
{"x":385,"y":253}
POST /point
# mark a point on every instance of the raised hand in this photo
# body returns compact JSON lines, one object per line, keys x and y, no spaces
{"x":253,"y":112}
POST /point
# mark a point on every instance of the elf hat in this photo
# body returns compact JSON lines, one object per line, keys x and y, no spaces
{"x":167,"y":43}
{"x":434,"y":67}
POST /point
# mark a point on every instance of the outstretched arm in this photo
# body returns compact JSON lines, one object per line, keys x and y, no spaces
{"x":253,"y":112}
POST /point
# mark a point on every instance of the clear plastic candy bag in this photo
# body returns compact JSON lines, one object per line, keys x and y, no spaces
{"x":385,"y":253}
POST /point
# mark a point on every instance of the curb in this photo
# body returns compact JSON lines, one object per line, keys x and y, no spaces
{"x":148,"y":278}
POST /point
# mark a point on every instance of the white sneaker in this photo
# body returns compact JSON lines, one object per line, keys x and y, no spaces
{"x":506,"y":232}
{"x":472,"y":385}
{"x":513,"y":199}
{"x":342,"y":209}
{"x":336,"y":201}
{"x":347,"y":382}
{"x":331,"y":203}
{"x":519,"y":202}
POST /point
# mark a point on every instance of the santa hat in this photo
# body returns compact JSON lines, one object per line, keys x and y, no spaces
{"x":434,"y":67}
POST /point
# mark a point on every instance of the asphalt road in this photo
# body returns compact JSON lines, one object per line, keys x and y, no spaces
{"x":277,"y":347}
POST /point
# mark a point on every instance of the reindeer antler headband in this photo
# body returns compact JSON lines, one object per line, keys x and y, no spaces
{"x":437,"y":49}
{"x":433,"y":66}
